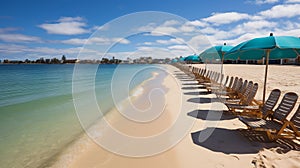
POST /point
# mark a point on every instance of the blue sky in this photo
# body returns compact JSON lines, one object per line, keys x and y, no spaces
{"x":33,"y":29}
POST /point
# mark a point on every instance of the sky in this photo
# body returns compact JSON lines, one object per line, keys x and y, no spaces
{"x":132,"y":28}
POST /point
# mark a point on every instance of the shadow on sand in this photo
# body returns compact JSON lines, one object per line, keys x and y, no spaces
{"x":193,"y":87}
{"x":203,"y":100}
{"x":228,"y":141}
{"x":197,"y":93}
{"x":214,"y":115}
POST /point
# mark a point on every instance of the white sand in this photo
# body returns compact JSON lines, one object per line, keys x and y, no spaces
{"x":225,"y":147}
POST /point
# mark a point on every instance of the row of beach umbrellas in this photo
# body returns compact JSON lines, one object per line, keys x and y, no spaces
{"x":268,"y":48}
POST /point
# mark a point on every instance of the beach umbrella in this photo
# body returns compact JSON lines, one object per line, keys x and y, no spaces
{"x":174,"y":61}
{"x":181,"y":59}
{"x":215,"y":53}
{"x":192,"y":58}
{"x":271,"y":47}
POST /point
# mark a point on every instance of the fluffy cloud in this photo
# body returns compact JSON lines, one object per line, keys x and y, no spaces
{"x":66,"y":26}
{"x":179,"y":47}
{"x":95,"y":41}
{"x":18,"y":38}
{"x":171,"y":41}
{"x":8,"y":29}
{"x":226,"y":18}
{"x":292,"y":1}
{"x":259,"y":2}
{"x":197,"y":23}
{"x":280,"y":11}
{"x":46,"y":52}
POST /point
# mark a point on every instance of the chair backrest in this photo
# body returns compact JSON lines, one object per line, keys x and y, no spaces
{"x":286,"y":106}
{"x":238,"y":85}
{"x":249,"y":98}
{"x":271,"y":101}
{"x":209,"y":73}
{"x":230,"y":82}
{"x":244,"y":87}
{"x":204,"y":72}
{"x":226,"y":81}
{"x":216,"y":78}
{"x":235,"y":82}
{"x":212,"y":75}
{"x":221,"y":79}
{"x":248,"y":89}
{"x":296,"y":119}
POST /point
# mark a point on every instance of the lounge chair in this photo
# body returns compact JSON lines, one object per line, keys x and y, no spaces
{"x":243,"y":95}
{"x":228,"y":89}
{"x":277,"y":127}
{"x":218,"y":86}
{"x":239,"y":90}
{"x":261,"y":111}
{"x":244,"y":101}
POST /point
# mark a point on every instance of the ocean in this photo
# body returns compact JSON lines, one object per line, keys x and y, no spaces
{"x":37,"y":113}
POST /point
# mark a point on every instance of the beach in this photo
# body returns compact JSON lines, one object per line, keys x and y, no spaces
{"x":212,"y":140}
{"x":166,"y":120}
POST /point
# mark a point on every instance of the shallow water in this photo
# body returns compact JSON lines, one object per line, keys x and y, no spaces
{"x":37,"y":114}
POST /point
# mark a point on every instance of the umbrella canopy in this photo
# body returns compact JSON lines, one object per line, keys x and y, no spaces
{"x":174,"y":61}
{"x":192,"y":58}
{"x":272,"y":47}
{"x":181,"y":59}
{"x":279,"y":47}
{"x":215,"y":52}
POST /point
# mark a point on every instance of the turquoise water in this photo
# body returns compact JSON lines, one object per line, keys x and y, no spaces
{"x":37,"y":114}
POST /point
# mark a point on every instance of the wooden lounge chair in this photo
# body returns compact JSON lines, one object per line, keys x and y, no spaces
{"x":294,"y":123}
{"x":277,"y":127}
{"x":261,"y":111}
{"x":228,"y":89}
{"x":244,"y":101}
{"x":239,"y":90}
{"x":205,"y":77}
{"x":219,"y":85}
{"x":243,"y":95}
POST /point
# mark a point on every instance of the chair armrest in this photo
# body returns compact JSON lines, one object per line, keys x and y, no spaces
{"x":269,"y":115}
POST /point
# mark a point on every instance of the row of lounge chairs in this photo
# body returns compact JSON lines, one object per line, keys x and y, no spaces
{"x":238,"y":95}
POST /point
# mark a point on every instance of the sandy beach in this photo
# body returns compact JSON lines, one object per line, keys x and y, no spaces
{"x":211,"y":139}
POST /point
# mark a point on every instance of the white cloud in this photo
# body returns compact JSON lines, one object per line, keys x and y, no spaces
{"x":226,"y":18}
{"x":171,"y":41}
{"x":280,"y":11}
{"x":259,"y":2}
{"x":292,"y":1}
{"x":170,"y":23}
{"x":197,"y":23}
{"x":95,"y":41}
{"x":19,"y":38}
{"x":66,"y":26}
{"x":179,"y":47}
{"x":8,"y":29}
{"x":8,"y":51}
{"x":147,"y":43}
{"x":165,"y":30}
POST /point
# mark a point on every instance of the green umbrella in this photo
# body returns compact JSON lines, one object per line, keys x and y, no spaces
{"x":271,"y":47}
{"x":174,"y":60}
{"x":215,"y":52}
{"x":192,"y":58}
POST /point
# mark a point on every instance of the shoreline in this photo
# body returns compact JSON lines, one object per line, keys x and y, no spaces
{"x":80,"y":144}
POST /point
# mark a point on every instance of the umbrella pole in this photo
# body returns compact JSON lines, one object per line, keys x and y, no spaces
{"x":222,"y":63}
{"x":266,"y":74}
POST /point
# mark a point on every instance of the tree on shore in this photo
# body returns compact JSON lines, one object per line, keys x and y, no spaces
{"x":64,"y":59}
